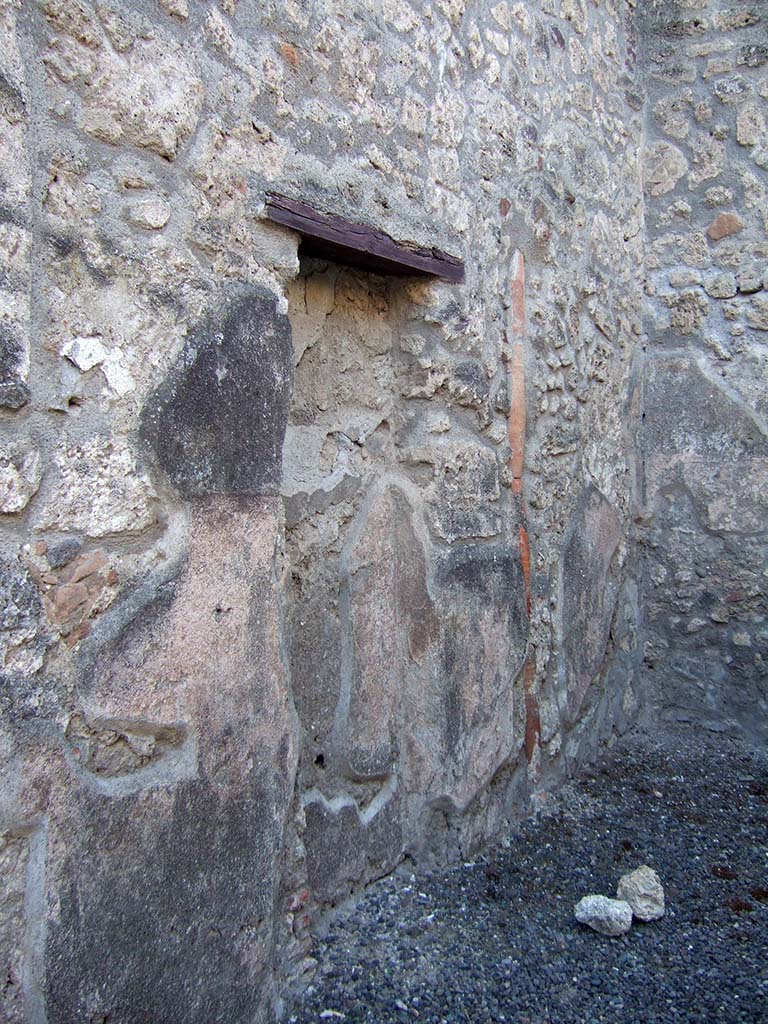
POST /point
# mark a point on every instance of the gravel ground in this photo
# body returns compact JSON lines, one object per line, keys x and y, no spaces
{"x":497,"y":941}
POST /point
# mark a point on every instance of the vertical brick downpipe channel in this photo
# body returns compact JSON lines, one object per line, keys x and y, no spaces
{"x":516,"y":374}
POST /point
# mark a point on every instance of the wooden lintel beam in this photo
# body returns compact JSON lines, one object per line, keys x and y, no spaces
{"x":358,"y":245}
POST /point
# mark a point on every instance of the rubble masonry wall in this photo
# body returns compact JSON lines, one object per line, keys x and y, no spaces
{"x":304,"y":571}
{"x":704,"y":443}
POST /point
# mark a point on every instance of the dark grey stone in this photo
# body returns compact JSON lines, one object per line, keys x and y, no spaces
{"x":478,"y":582}
{"x":471,"y":385}
{"x":488,"y":573}
{"x":14,"y":392}
{"x":61,"y":554}
{"x":343,"y":850}
{"x":10,"y":93}
{"x":693,"y":664}
{"x":686,"y":412}
{"x":467,"y":503}
{"x":391,"y":627}
{"x":20,"y":604}
{"x":298,"y":506}
{"x":216,"y":424}
{"x":177,"y":899}
{"x":753,"y":56}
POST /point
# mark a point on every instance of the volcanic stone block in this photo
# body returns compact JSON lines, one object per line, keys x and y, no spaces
{"x":688,"y":415}
{"x":467,"y":502}
{"x":587,"y":594}
{"x":216,"y":425}
{"x":14,"y":392}
{"x":706,"y":440}
{"x":14,"y":852}
{"x":166,"y":881}
{"x":467,"y":717}
{"x":391,"y":624}
{"x":346,"y":847}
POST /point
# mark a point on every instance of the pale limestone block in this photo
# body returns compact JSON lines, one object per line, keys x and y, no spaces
{"x":20,"y":475}
{"x":100,"y":491}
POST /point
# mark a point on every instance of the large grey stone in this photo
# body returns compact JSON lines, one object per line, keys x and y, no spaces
{"x":216,"y":425}
{"x":587,"y":594}
{"x":604,"y":915}
{"x":346,"y":847}
{"x":469,"y":718}
{"x":689,"y":416}
{"x":467,"y":503}
{"x":392,"y":624}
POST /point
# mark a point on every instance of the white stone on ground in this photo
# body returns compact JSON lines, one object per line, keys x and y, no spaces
{"x":643,"y":891}
{"x":604,"y":915}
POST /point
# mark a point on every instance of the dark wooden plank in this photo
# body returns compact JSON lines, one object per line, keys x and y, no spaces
{"x":359,"y":245}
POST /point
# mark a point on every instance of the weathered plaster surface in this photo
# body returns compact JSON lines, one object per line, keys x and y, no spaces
{"x":306,"y":571}
{"x":704,"y":442}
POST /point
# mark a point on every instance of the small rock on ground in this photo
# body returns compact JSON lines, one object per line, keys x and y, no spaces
{"x":604,"y":915}
{"x":643,"y":891}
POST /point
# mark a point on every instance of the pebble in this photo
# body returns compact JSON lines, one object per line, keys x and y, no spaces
{"x":643,"y":891}
{"x":604,"y":915}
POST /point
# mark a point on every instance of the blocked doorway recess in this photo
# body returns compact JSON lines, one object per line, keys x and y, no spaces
{"x":405,"y":611}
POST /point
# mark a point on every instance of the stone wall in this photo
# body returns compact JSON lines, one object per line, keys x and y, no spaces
{"x":704,"y":450}
{"x":304,"y":571}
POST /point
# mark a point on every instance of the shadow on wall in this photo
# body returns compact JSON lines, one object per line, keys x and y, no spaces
{"x":706,"y":459}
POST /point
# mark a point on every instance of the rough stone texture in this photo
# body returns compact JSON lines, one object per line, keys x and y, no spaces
{"x":15,"y":228}
{"x":392,"y":622}
{"x":588,"y":595}
{"x":20,"y":622}
{"x":604,"y":915}
{"x":193,"y":872}
{"x":643,"y":891}
{"x":151,"y":213}
{"x":20,"y":474}
{"x":99,"y":490}
{"x":217,"y":423}
{"x":150,"y":97}
{"x":325,"y":569}
{"x":704,"y":442}
{"x":14,"y":856}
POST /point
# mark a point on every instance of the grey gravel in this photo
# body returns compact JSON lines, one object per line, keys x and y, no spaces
{"x":496,"y":941}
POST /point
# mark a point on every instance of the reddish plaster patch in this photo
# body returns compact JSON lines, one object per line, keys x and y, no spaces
{"x":532,"y":717}
{"x":525,"y":561}
{"x":290,"y":54}
{"x":516,"y":370}
{"x":723,"y":225}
